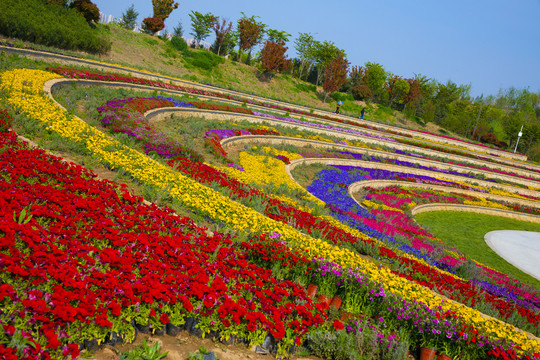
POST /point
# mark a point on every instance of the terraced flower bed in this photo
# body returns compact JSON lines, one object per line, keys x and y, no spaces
{"x":83,"y":259}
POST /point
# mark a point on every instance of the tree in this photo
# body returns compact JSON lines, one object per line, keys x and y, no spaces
{"x":397,"y":89}
{"x":304,"y":46}
{"x":223,"y":35}
{"x":178,"y":30}
{"x":201,"y":25}
{"x":250,"y":33}
{"x":277,"y":36}
{"x":273,"y":58}
{"x":87,"y":9}
{"x":376,"y":77}
{"x":129,"y":18}
{"x":335,"y":74}
{"x":324,"y":53}
{"x":152,"y":25}
{"x":163,"y":8}
{"x":63,"y":3}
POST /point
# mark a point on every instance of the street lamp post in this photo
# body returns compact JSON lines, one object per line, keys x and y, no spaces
{"x":519,"y":136}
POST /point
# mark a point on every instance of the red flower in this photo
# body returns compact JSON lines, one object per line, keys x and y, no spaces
{"x":164,"y":318}
{"x":338,"y":325}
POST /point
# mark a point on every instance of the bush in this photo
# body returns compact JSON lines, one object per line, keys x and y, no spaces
{"x":361,"y":92}
{"x":179,"y":43}
{"x":306,"y":87}
{"x":203,"y":59}
{"x":339,"y":96}
{"x":49,"y":25}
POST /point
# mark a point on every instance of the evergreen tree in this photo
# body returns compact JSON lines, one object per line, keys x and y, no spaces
{"x":129,"y":18}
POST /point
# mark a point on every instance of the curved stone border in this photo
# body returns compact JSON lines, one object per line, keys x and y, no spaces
{"x":399,"y":168}
{"x":246,"y":139}
{"x":355,"y":187}
{"x":160,"y":114}
{"x":476,"y":209}
{"x":148,"y":75}
{"x":457,"y":142}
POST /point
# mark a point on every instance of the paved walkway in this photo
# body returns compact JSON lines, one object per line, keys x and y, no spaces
{"x":519,"y":248}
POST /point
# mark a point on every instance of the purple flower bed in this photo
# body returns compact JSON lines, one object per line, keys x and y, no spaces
{"x":391,"y":311}
{"x":176,"y":102}
{"x":120,"y":116}
{"x":226,"y":133}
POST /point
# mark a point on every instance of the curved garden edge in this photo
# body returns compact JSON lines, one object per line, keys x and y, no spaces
{"x":298,"y":162}
{"x":246,"y":139}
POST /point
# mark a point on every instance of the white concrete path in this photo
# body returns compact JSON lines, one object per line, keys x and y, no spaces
{"x":519,"y":248}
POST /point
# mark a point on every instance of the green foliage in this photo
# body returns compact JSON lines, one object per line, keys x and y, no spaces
{"x":129,"y":18}
{"x":178,"y":30}
{"x":163,"y":8}
{"x":145,"y":352}
{"x":201,"y":24}
{"x":203,"y":59}
{"x":87,"y":9}
{"x":277,"y":36}
{"x":339,"y":96}
{"x":306,"y":87}
{"x":376,"y":77}
{"x":179,"y":43}
{"x":50,"y":25}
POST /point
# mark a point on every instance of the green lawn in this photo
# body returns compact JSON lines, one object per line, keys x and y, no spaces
{"x":465,"y":231}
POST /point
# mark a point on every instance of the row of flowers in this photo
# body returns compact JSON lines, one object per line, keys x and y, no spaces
{"x":199,"y":197}
{"x":94,"y":75}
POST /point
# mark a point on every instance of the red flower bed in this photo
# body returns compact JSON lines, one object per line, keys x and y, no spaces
{"x":81,"y":256}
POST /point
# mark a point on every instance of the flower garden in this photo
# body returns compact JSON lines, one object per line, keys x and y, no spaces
{"x":85,"y":261}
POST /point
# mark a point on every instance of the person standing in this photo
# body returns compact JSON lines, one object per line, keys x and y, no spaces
{"x":362,"y":113}
{"x":338,"y":104}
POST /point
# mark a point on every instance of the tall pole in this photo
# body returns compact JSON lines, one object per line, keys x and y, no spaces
{"x":519,"y":136}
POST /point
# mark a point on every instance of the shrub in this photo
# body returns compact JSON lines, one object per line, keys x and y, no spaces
{"x":153,"y":25}
{"x":306,"y":87}
{"x":50,"y":25}
{"x":361,"y":92}
{"x":203,"y":59}
{"x":179,"y":43}
{"x":339,"y":96}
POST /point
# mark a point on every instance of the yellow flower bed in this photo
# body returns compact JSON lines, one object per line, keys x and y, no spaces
{"x":24,"y":90}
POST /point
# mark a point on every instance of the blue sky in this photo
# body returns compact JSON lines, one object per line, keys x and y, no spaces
{"x":491,"y":45}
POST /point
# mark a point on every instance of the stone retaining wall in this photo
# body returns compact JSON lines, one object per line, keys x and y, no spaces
{"x":404,"y":169}
{"x":160,"y":114}
{"x":355,"y":187}
{"x":246,"y":139}
{"x":476,"y":209}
